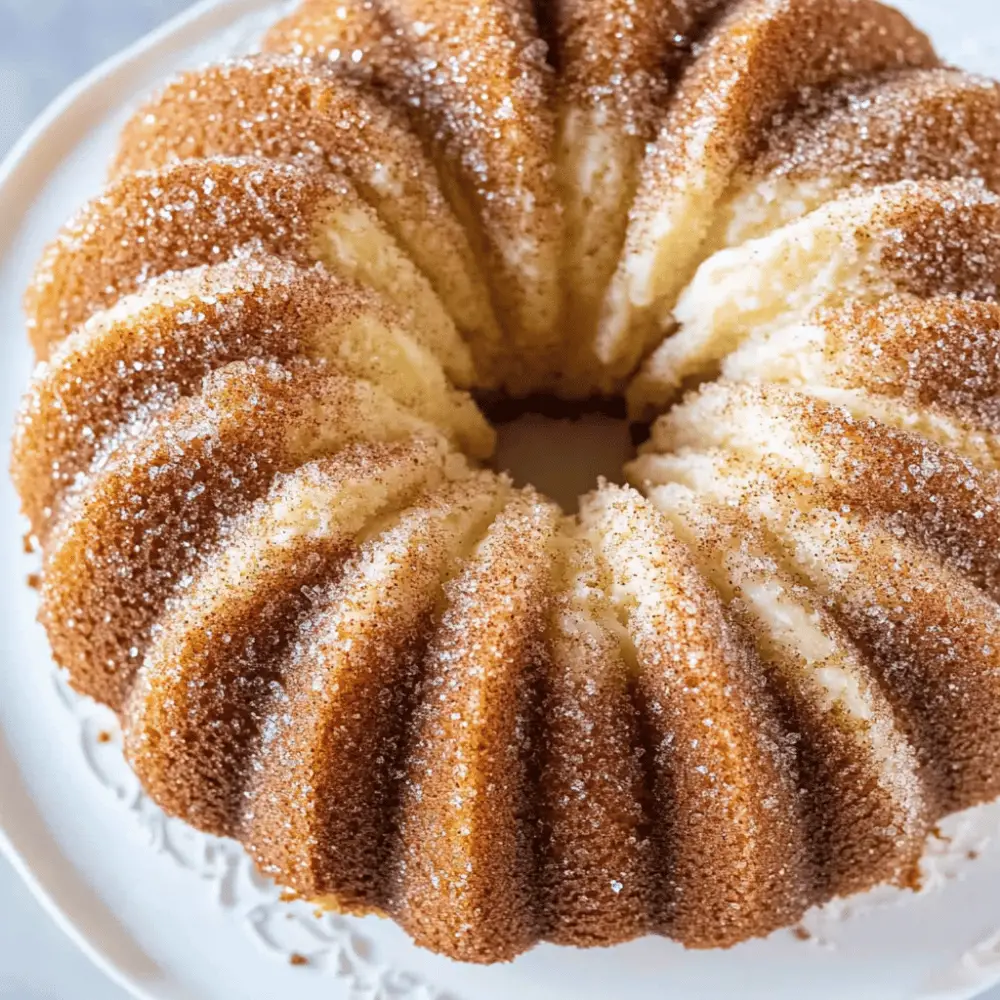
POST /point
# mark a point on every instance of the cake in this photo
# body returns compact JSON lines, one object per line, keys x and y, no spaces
{"x":255,"y":459}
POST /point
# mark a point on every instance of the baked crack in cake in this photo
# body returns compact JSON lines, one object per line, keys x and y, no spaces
{"x":255,"y":458}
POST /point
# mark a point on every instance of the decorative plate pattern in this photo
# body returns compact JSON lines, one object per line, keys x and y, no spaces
{"x":290,"y":931}
{"x":296,"y":933}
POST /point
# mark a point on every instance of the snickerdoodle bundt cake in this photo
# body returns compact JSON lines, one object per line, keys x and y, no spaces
{"x":254,"y":462}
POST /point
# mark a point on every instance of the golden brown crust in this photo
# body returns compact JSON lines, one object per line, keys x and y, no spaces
{"x":487,"y":95}
{"x":937,"y":352}
{"x":939,"y":237}
{"x":926,"y":631}
{"x":114,"y":370}
{"x":132,"y":530}
{"x":479,"y":90}
{"x":200,"y":703}
{"x":911,"y":124}
{"x":616,"y":63}
{"x":624,"y":55}
{"x":466,"y":857}
{"x":760,"y":57}
{"x":295,"y":111}
{"x":320,"y":811}
{"x":930,"y":637}
{"x":597,"y":881}
{"x":204,"y":211}
{"x":865,"y":805}
{"x":929,"y":491}
{"x":276,"y":107}
{"x":935,"y":494}
{"x":146,"y":224}
{"x":142,"y":357}
{"x":721,"y":772}
{"x":756,"y":61}
{"x":353,"y":37}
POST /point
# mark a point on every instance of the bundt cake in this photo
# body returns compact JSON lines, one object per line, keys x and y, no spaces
{"x":255,"y":460}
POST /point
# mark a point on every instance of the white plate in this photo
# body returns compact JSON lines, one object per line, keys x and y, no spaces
{"x":168,"y":913}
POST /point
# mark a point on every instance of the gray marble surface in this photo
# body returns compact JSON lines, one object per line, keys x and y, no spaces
{"x":44,"y":46}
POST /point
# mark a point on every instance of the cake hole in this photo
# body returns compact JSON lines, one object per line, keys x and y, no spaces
{"x":561,"y":449}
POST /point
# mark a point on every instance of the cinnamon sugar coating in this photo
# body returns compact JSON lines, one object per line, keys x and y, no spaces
{"x":464,"y":858}
{"x":203,"y":211}
{"x":251,"y":458}
{"x":625,"y":55}
{"x":295,"y":111}
{"x":723,"y":773}
{"x":920,"y":123}
{"x":353,"y":37}
{"x":940,"y":351}
{"x":756,"y":61}
{"x":864,"y":804}
{"x":201,"y":697}
{"x":147,"y":224}
{"x":337,"y":724}
{"x":599,"y":884}
{"x":152,"y":350}
{"x":129,"y":536}
{"x":477,"y":86}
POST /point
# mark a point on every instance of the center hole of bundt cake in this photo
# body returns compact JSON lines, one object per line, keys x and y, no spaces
{"x":562,"y":449}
